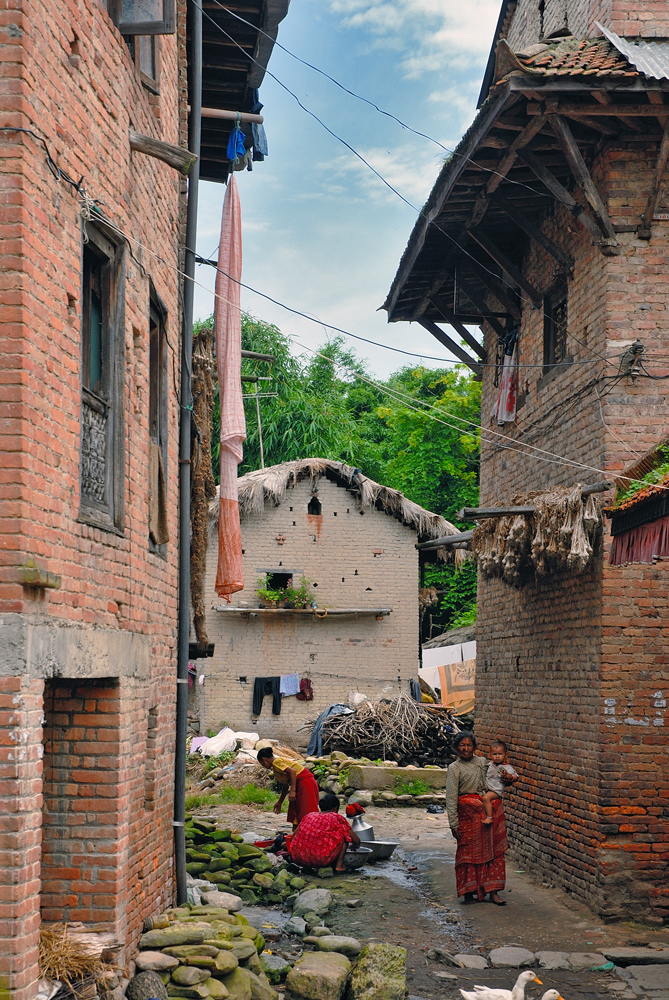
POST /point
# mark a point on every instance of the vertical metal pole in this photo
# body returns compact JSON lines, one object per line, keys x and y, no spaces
{"x":262,"y":451}
{"x":194,"y":134}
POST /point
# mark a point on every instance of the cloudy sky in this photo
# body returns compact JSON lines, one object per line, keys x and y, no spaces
{"x":321,"y":232}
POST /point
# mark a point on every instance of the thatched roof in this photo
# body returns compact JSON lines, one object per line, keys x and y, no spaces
{"x":271,"y":484}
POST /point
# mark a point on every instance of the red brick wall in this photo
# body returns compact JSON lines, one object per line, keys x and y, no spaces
{"x":628,"y":18}
{"x":67,"y":75}
{"x":20,"y":834}
{"x":558,"y":655}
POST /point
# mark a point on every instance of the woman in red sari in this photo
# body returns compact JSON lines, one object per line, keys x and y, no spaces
{"x":479,"y":859}
{"x":298,"y":783}
{"x":322,"y":837}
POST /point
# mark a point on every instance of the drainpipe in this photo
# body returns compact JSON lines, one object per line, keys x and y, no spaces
{"x":194,"y":134}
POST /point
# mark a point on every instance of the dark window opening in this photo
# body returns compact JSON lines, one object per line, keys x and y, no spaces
{"x":150,"y":760}
{"x":102,"y":351}
{"x":314,"y":506}
{"x":142,"y":17}
{"x":145,"y":53}
{"x":555,"y":326}
{"x":279,"y":581}
{"x":158,"y":532}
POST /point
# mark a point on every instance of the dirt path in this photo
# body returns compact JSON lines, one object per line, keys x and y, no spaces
{"x":412,"y":901}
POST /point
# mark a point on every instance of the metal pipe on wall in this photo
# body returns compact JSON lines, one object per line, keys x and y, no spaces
{"x":194,"y":136}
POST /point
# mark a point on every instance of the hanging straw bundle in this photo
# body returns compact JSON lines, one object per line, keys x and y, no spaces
{"x":559,"y":535}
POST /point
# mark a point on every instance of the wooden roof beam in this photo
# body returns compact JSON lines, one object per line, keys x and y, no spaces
{"x":503,"y":295}
{"x":481,"y":205}
{"x":559,"y":191}
{"x":451,"y":345}
{"x":482,"y":306}
{"x":507,"y":266}
{"x":644,"y":230}
{"x":452,"y":320}
{"x":599,"y":110}
{"x":565,"y":260}
{"x":582,"y":177}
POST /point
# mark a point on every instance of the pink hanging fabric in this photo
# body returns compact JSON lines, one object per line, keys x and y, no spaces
{"x":642,"y":544}
{"x":228,"y":322}
{"x":504,"y":410}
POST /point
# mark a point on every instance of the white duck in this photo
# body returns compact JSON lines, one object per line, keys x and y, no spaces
{"x":517,"y":993}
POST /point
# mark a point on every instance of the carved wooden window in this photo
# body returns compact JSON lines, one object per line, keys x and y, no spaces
{"x":102,"y":362}
{"x":158,"y":423}
{"x":143,"y":17}
{"x":556,"y":320}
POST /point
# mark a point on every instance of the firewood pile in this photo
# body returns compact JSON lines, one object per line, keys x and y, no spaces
{"x":401,"y":730}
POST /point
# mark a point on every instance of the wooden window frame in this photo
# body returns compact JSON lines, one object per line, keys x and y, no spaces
{"x":161,"y":26}
{"x":158,"y":423}
{"x":149,"y":82}
{"x":557,"y":295}
{"x":106,"y":406}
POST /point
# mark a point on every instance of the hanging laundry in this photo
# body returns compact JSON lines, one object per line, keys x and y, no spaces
{"x":228,"y":326}
{"x":416,"y":692}
{"x":258,"y":137}
{"x":306,"y":692}
{"x":504,"y":410}
{"x":263,"y":686}
{"x":290,"y":685}
{"x":236,"y":143}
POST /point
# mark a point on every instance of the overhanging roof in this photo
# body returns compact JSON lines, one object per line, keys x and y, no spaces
{"x":229,"y":75}
{"x":548,"y":110}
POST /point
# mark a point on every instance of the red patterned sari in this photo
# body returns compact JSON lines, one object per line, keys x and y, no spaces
{"x":479,"y":859}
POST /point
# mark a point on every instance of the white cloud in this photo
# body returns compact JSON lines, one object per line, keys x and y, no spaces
{"x":430,"y":34}
{"x":411,"y":169}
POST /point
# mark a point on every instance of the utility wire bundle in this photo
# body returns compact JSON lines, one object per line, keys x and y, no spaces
{"x":402,"y":730}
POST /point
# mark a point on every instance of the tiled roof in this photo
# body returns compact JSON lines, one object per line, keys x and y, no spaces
{"x":646,"y":493}
{"x":573,"y":57}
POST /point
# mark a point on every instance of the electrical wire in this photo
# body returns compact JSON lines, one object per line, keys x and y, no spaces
{"x":312,"y":114}
{"x":365,"y":100}
{"x":374,"y":343}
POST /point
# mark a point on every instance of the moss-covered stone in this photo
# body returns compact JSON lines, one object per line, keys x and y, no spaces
{"x":380,"y":973}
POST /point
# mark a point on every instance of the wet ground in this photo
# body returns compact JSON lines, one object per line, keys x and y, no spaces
{"x":411,"y":901}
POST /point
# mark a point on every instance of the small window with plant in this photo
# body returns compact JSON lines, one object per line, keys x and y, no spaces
{"x":277,"y":590}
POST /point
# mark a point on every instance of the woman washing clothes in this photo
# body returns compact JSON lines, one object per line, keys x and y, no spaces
{"x":479,"y":859}
{"x":322,"y":837}
{"x":298,"y":783}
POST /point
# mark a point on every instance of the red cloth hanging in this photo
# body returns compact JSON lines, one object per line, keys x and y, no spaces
{"x":228,"y":324}
{"x":640,"y":545}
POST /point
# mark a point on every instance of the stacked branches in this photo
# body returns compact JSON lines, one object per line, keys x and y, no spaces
{"x":63,"y":959}
{"x":402,"y":730}
{"x":560,"y":535}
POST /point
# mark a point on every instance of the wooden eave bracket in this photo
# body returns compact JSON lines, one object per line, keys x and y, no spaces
{"x":644,"y":230}
{"x":451,"y":345}
{"x":180,"y":159}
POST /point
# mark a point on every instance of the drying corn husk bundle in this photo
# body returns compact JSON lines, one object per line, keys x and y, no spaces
{"x":65,"y":959}
{"x":402,"y":730}
{"x":559,"y":535}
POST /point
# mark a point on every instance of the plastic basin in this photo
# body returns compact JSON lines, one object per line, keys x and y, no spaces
{"x":358,"y":857}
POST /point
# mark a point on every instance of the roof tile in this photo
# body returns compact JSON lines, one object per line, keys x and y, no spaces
{"x":573,"y":57}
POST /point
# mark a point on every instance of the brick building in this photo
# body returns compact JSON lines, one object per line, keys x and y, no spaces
{"x":89,"y":326}
{"x":356,"y":541}
{"x":548,"y":228}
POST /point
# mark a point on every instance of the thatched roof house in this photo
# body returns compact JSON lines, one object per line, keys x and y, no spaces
{"x":354,"y":540}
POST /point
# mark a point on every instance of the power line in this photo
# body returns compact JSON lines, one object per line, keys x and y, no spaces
{"x":312,"y":114}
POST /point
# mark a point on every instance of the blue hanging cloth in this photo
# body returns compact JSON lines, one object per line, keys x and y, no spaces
{"x":236,"y":146}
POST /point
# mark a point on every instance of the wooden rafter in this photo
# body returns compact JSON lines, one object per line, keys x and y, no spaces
{"x":582,"y":176}
{"x":565,"y":260}
{"x":559,"y":191}
{"x":598,"y":110}
{"x":507,"y":265}
{"x":482,"y":307}
{"x":503,"y":294}
{"x":654,"y":194}
{"x":451,"y":345}
{"x":452,"y":320}
{"x":481,"y":206}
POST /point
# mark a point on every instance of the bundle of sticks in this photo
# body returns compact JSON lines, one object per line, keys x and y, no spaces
{"x":402,"y":730}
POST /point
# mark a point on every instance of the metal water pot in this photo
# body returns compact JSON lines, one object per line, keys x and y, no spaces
{"x":363,"y":829}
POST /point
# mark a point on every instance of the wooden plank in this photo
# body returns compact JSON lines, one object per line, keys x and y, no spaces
{"x":495,"y":286}
{"x":654,"y":193}
{"x":559,"y":190}
{"x":483,"y":308}
{"x":451,"y":345}
{"x":452,"y":320}
{"x":507,"y":265}
{"x":598,"y":110}
{"x":508,"y":161}
{"x":258,"y":357}
{"x":438,"y":543}
{"x":180,"y":159}
{"x":582,"y":176}
{"x":479,"y":513}
{"x":564,"y":259}
{"x":598,"y":126}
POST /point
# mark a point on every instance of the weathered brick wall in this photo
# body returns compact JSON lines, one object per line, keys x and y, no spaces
{"x":20,"y":834}
{"x":573,"y":669}
{"x":339,"y":654}
{"x":67,"y":75}
{"x":625,"y":17}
